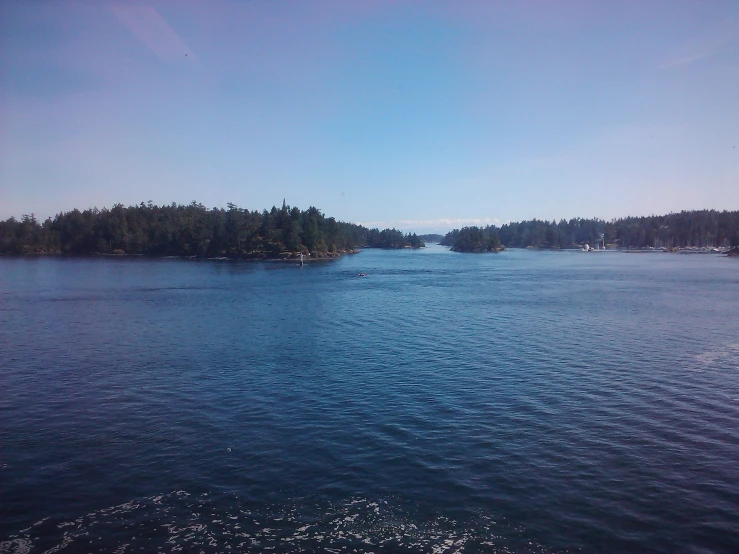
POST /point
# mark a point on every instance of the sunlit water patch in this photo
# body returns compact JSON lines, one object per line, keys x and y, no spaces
{"x":727,"y":355}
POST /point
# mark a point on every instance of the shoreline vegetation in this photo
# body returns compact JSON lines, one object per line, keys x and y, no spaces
{"x":473,"y":239}
{"x":687,"y":232}
{"x":194,"y":231}
{"x":432,"y":237}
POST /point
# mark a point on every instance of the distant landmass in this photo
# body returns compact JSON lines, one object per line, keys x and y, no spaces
{"x":195,"y":231}
{"x":703,"y":229}
{"x":431,"y":238}
{"x":474,"y":239}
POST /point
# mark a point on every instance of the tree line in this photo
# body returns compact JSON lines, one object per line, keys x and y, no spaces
{"x":473,"y":239}
{"x":431,"y":237}
{"x":194,"y":230}
{"x":702,"y":228}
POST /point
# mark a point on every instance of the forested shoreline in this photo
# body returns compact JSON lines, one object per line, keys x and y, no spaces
{"x":431,"y":237}
{"x":195,"y":231}
{"x":703,"y":228}
{"x":473,"y":239}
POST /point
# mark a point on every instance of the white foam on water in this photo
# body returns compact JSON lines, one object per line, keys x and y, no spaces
{"x":179,"y":521}
{"x":18,"y":546}
{"x":717,"y":357}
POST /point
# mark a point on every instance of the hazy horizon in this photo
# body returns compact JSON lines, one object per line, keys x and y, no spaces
{"x":419,"y":116}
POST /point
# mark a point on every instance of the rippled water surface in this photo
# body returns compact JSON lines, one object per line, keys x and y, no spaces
{"x":520,"y":402}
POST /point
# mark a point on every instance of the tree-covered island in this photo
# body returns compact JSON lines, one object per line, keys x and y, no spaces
{"x":687,"y":229}
{"x":473,"y":239}
{"x":195,"y":231}
{"x":431,"y":237}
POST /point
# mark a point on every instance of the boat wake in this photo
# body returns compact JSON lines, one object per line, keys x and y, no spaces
{"x":181,"y":522}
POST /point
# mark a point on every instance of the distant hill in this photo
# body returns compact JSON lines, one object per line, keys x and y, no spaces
{"x":431,"y":238}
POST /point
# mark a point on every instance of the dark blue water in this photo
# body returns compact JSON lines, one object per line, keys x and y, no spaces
{"x":520,"y":402}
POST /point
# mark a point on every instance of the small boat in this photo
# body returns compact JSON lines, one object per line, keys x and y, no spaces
{"x":361,"y":275}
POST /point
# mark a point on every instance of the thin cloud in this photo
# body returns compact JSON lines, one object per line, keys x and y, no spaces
{"x":151,"y":29}
{"x":445,"y":222}
{"x":717,"y":39}
{"x":442,"y":222}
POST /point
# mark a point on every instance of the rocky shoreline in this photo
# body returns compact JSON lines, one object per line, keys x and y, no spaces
{"x":286,"y":256}
{"x":252,"y":256}
{"x":478,"y":250}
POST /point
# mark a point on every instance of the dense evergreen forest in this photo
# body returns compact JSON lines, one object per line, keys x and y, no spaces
{"x":473,"y":239}
{"x":705,"y":228}
{"x":432,"y":237}
{"x":194,"y":230}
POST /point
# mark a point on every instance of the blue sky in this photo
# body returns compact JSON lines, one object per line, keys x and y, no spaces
{"x":420,"y":115}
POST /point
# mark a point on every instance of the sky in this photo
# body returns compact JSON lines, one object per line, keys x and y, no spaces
{"x":422,"y":115}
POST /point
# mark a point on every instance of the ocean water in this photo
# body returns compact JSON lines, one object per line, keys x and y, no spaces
{"x":518,"y":402}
